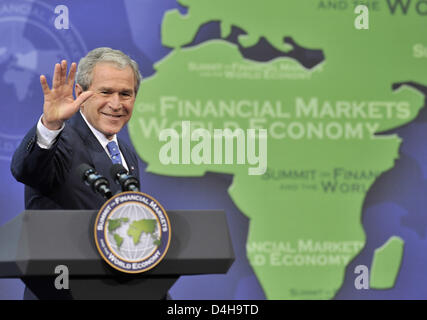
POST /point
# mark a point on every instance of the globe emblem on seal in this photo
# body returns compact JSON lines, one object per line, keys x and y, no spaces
{"x":132,"y":232}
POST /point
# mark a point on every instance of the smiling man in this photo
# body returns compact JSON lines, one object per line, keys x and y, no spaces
{"x":72,"y":131}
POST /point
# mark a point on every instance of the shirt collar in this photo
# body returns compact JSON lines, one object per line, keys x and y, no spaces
{"x":99,"y":135}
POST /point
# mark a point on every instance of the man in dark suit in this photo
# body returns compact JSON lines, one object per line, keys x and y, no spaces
{"x":75,"y":131}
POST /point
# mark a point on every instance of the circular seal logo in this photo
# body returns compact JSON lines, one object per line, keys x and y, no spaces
{"x":132,"y":232}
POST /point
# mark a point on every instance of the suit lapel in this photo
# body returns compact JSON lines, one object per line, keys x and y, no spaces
{"x":129,"y":160}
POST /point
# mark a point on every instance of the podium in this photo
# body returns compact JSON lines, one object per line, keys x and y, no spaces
{"x":35,"y":242}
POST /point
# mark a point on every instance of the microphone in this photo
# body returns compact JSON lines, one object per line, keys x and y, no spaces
{"x":121,"y":176}
{"x":97,"y":182}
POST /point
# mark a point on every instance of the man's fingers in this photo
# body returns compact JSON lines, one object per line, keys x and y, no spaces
{"x":56,"y":76}
{"x":45,"y":86}
{"x":72,"y":74}
{"x":83,"y":97}
{"x":63,"y":71}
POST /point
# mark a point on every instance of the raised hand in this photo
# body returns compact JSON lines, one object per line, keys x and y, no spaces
{"x":59,"y":103}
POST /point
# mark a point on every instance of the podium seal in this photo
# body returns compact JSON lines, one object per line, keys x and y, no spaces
{"x":132,"y":232}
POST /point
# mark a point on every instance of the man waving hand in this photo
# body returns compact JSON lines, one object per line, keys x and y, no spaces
{"x":72,"y":131}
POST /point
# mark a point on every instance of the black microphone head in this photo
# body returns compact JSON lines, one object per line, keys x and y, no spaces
{"x":83,"y":169}
{"x":117,"y":169}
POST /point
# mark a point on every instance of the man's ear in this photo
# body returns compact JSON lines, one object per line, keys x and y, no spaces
{"x":78,"y":90}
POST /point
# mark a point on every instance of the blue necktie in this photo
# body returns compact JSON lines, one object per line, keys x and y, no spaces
{"x":113,"y":149}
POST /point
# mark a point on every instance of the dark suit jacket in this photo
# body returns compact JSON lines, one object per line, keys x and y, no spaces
{"x":50,"y":177}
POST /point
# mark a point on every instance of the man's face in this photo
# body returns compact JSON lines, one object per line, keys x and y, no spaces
{"x":110,"y":108}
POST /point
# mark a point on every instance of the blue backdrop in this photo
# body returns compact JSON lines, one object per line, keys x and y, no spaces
{"x":30,"y":45}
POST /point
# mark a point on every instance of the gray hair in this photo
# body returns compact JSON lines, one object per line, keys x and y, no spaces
{"x":104,"y":54}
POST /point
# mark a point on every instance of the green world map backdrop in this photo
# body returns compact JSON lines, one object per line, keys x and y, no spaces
{"x":335,"y":205}
{"x":327,"y":93}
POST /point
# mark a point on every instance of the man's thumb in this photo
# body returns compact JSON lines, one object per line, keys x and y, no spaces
{"x":83,"y":97}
